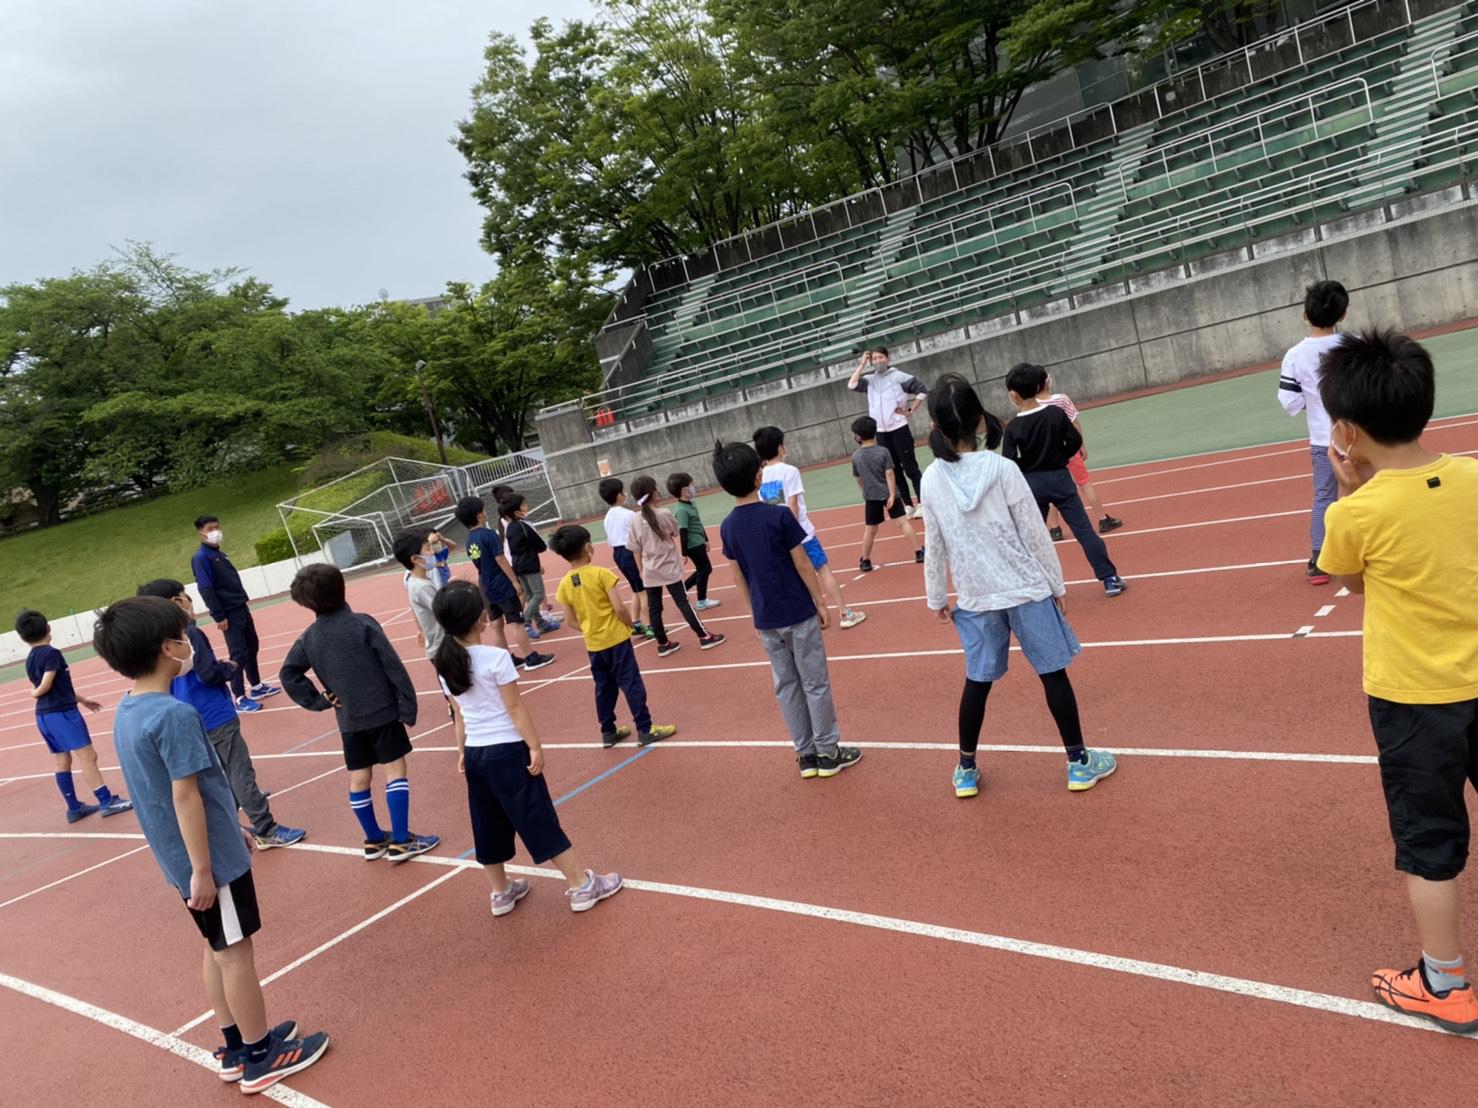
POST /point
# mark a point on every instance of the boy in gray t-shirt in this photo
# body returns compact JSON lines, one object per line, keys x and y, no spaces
{"x":872,"y":465}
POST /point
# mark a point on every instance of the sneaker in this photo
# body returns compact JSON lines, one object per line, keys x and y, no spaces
{"x":1056,"y":534}
{"x":82,"y":811}
{"x":671,"y":646}
{"x":233,"y":1062}
{"x":909,"y":511}
{"x":115,"y":805}
{"x":247,"y":704}
{"x":503,"y":902}
{"x":712,"y":641}
{"x":548,"y":627}
{"x":704,"y":605}
{"x":1456,"y":1009}
{"x":656,"y":734}
{"x":1316,"y":575}
{"x":263,"y":691}
{"x":810,"y":766}
{"x":864,"y":565}
{"x":532,"y":632}
{"x":537,"y":661}
{"x":280,"y":836}
{"x":829,"y":765}
{"x":376,"y":848}
{"x":416,"y":844}
{"x":283,"y":1060}
{"x":1084,"y":775}
{"x":966,"y":781}
{"x":918,"y":556}
{"x":851,"y":618}
{"x":1114,"y":586}
{"x":638,"y":628}
{"x":597,"y":887}
{"x":1109,"y":523}
{"x":609,"y":739}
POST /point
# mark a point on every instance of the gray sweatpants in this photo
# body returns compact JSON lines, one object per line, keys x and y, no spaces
{"x":533,"y":591}
{"x":236,"y":760}
{"x":803,"y":686}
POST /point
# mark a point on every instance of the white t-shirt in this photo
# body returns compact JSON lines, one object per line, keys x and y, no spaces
{"x":618,"y":525}
{"x":1298,"y":385}
{"x":778,"y":484}
{"x":483,"y":712}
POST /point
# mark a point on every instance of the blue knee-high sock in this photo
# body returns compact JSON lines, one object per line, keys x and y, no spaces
{"x":103,"y":793}
{"x":398,"y":800}
{"x":364,"y":810}
{"x":69,"y":794}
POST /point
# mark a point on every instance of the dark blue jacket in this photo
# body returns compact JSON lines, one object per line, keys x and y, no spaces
{"x":203,"y":685}
{"x":220,"y":584}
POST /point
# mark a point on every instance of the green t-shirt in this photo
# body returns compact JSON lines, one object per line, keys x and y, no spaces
{"x":689,"y":524}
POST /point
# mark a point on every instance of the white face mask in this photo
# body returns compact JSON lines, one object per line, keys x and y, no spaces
{"x":426,"y":561}
{"x":213,"y":536}
{"x":1343,"y":451}
{"x":189,"y":659}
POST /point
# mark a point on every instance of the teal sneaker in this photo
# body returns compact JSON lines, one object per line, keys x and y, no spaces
{"x":966,"y":781}
{"x":1084,"y":775}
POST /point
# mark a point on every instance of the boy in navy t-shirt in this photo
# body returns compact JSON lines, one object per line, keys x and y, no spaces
{"x":503,"y":594}
{"x":773,"y":573}
{"x":59,"y":721}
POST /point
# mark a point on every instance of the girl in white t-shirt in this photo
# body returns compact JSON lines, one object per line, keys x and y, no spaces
{"x":500,"y":754}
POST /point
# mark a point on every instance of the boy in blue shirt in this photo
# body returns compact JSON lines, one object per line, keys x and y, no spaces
{"x":503,"y":593}
{"x":59,"y":721}
{"x":225,"y":597}
{"x":202,"y":685}
{"x":774,"y":575}
{"x":188,"y":817}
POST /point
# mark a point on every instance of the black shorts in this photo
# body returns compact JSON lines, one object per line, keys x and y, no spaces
{"x":1428,"y":755}
{"x":874,"y":510}
{"x":509,"y":609}
{"x":232,"y":917}
{"x":375,"y":746}
{"x":504,"y":798}
{"x":626,"y":563}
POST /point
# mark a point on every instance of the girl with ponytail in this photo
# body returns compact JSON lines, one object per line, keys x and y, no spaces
{"x":984,"y":531}
{"x":498,"y":750}
{"x":654,"y":542}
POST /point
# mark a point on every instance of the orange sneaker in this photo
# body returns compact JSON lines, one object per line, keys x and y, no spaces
{"x":1408,"y":992}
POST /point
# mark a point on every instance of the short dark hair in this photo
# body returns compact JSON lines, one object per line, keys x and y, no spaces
{"x":569,"y":541}
{"x":201,"y":521}
{"x":407,"y":545}
{"x":165,"y":588}
{"x":1325,"y":303}
{"x":1382,"y":382}
{"x":676,"y":482}
{"x":736,"y":467}
{"x":610,"y":488}
{"x":865,"y":427}
{"x":768,"y":441}
{"x":1026,"y":380}
{"x":131,"y":633}
{"x":510,"y":504}
{"x":319,"y":588}
{"x":883,"y":350}
{"x":467,"y":510}
{"x":31,"y":626}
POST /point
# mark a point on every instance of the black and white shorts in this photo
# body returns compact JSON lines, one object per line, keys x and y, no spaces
{"x":234,"y":915}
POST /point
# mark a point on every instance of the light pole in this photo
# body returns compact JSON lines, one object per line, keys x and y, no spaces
{"x":430,"y":410}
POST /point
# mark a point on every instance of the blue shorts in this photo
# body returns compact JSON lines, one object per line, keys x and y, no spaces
{"x":1046,"y":639}
{"x":63,"y":731}
{"x":626,"y":563}
{"x":812,"y":547}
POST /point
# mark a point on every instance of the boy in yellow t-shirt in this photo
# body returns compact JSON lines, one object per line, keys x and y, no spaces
{"x":588,"y":595}
{"x":1405,"y":533}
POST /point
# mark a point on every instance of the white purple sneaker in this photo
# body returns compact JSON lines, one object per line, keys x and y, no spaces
{"x":503,"y":902}
{"x":597,"y":887}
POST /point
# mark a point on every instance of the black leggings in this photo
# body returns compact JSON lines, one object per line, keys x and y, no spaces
{"x":680,"y":598}
{"x":702,"y":570}
{"x":1061,"y":702}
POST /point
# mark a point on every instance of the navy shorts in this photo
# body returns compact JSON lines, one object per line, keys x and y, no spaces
{"x":1046,"y":639}
{"x":233,"y":917}
{"x":626,"y":563}
{"x":504,"y":798}
{"x":64,"y":732}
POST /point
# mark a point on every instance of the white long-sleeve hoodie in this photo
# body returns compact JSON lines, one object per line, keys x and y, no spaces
{"x":983,"y":528}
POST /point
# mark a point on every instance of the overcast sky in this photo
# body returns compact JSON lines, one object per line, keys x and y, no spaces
{"x":303,"y":140}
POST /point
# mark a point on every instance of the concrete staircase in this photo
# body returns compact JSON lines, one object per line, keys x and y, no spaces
{"x":1098,"y":215}
{"x":850,"y":327}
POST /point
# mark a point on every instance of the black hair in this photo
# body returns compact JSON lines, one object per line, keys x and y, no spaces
{"x":510,"y":504}
{"x":407,"y":545}
{"x":467,"y":510}
{"x":736,"y":467}
{"x":1026,"y":380}
{"x":610,"y":488}
{"x":131,"y":633}
{"x":165,"y":588}
{"x":676,"y":482}
{"x":957,"y":413}
{"x":1382,"y":382}
{"x":570,"y":541}
{"x":768,"y":441}
{"x":457,"y":608}
{"x":883,"y":350}
{"x":865,"y":427}
{"x":201,"y":521}
{"x":1325,"y":303}
{"x":31,"y":626}
{"x":319,"y":588}
{"x":644,"y":488}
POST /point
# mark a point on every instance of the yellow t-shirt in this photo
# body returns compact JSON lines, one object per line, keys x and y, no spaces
{"x":1413,"y":534}
{"x":591,"y":602}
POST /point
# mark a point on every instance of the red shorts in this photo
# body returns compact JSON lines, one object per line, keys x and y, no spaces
{"x":1078,"y":468}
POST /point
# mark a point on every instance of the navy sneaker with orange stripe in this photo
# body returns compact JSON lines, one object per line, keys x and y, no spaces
{"x":233,"y":1062}
{"x":1456,"y":1009}
{"x":283,"y":1060}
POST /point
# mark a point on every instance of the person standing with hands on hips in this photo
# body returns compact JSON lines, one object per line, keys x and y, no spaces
{"x":225,"y":597}
{"x":893,"y":396}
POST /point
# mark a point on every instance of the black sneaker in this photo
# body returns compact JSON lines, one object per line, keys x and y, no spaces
{"x":833,"y":765}
{"x":517,"y":661}
{"x":1056,"y":534}
{"x":1109,"y":523}
{"x":808,"y":764}
{"x":865,"y":566}
{"x":671,"y":646}
{"x":376,"y":848}
{"x":537,"y":661}
{"x":609,"y":739}
{"x":283,"y":1060}
{"x":918,"y":555}
{"x":712,"y":641}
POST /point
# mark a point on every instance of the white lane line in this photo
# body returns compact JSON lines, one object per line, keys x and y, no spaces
{"x":19,"y":746}
{"x":73,"y":876}
{"x":1324,"y":611}
{"x":170,"y":1043}
{"x":1342,"y":594}
{"x":1304,"y":632}
{"x":328,"y":773}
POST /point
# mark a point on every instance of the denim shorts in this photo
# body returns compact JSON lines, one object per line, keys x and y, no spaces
{"x":1045,"y":637}
{"x":812,"y":547}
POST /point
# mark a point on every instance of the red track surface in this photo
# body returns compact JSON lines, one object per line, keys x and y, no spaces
{"x":864,"y":940}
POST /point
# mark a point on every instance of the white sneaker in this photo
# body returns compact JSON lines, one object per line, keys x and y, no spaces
{"x":851,"y":618}
{"x":909,"y":511}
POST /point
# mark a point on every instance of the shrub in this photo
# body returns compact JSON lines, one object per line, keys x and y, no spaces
{"x":274,"y":546}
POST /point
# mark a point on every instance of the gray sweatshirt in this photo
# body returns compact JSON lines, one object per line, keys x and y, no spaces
{"x":352,"y":658}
